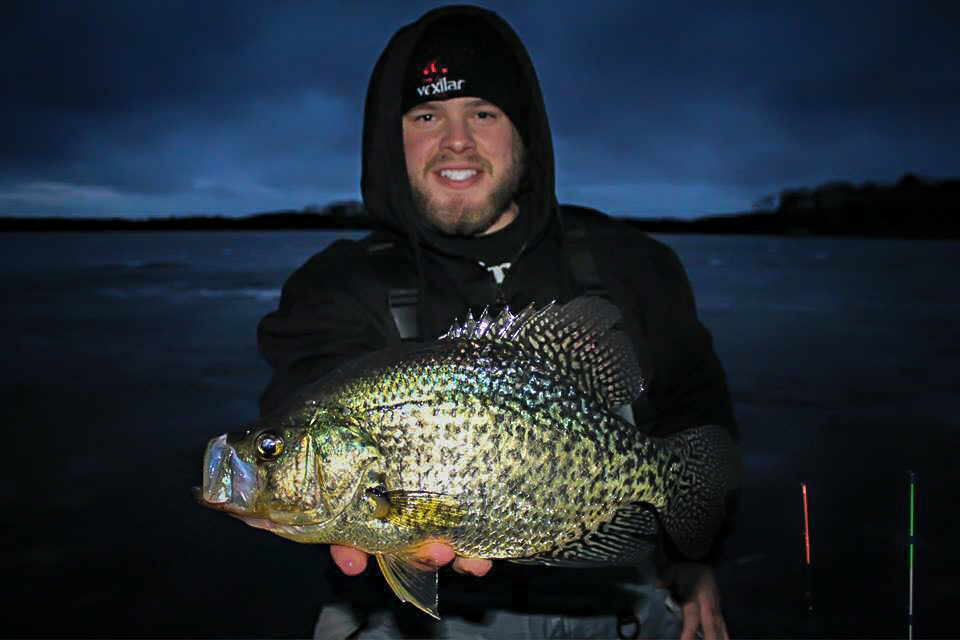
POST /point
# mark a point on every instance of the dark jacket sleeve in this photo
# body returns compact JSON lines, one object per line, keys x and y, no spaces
{"x":690,"y":387}
{"x":686,"y":386}
{"x":327,"y":315}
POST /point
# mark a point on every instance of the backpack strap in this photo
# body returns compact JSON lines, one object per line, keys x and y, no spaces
{"x":581,"y":261}
{"x":402,"y":294}
{"x":587,"y":276}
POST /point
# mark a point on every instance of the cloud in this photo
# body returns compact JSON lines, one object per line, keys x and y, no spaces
{"x":750,"y":100}
{"x":236,"y":107}
{"x":54,"y":194}
{"x":272,"y":154}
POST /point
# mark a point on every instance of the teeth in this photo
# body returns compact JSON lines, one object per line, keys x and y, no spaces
{"x":458,"y":174}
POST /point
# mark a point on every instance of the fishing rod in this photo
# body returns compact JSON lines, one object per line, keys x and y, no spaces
{"x":808,"y":567}
{"x":910,"y":568}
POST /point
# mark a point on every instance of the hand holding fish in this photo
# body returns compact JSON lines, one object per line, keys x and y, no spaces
{"x":353,"y":562}
{"x":696,"y":588}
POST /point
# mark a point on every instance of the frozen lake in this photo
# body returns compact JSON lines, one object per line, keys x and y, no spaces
{"x":124,"y":352}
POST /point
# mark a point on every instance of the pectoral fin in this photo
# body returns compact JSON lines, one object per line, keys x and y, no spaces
{"x":411,"y":581}
{"x":420,"y":509}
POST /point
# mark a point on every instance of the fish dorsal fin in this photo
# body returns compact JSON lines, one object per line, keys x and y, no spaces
{"x":578,"y":338}
{"x":628,"y":538}
{"x":486,"y":327}
{"x":411,"y":581}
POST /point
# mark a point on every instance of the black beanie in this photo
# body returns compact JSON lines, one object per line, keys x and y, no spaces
{"x":459,"y":56}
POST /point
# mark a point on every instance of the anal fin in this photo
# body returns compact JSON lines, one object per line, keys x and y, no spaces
{"x":411,"y":581}
{"x":630,"y":537}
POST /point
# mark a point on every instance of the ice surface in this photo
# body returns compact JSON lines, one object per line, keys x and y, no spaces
{"x":125,"y":352}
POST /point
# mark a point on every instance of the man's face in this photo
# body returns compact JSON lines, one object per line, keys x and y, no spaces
{"x":464,"y":160}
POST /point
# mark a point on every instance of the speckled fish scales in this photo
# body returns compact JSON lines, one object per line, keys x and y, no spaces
{"x":496,"y":416}
{"x":501,"y":439}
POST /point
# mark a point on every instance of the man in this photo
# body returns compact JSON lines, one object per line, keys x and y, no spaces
{"x":458,"y":173}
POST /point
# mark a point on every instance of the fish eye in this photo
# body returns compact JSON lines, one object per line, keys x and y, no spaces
{"x":269,"y":445}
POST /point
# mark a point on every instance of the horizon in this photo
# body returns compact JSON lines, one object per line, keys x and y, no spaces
{"x":657,"y":110}
{"x":769,"y":206}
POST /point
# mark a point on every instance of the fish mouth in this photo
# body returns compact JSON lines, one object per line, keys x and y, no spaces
{"x":256,"y":519}
{"x":229,"y":482}
{"x":231,"y":485}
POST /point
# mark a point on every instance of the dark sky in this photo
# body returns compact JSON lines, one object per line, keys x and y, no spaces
{"x":658,"y":108}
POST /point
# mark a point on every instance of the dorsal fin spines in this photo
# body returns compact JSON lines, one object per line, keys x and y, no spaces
{"x":484,"y":323}
{"x":578,"y":337}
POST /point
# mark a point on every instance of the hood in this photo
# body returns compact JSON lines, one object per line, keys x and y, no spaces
{"x":387,"y":195}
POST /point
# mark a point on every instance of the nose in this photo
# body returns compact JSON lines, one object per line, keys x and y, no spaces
{"x":457,"y":136}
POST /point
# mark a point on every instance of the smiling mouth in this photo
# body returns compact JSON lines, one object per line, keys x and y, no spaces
{"x":459,"y":178}
{"x":458,"y":175}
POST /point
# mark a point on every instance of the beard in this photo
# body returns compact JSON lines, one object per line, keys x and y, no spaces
{"x":458,"y":215}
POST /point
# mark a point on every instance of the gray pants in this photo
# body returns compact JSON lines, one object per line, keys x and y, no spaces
{"x":653,"y":620}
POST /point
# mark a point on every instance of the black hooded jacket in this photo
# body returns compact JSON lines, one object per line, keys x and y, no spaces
{"x":335,"y":307}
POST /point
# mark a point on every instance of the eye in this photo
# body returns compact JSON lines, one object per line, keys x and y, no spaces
{"x":424,"y":117}
{"x":269,"y":445}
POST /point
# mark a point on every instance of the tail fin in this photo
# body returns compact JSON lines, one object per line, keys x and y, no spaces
{"x":705,"y":468}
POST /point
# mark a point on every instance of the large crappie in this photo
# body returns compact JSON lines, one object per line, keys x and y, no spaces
{"x":501,"y":439}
